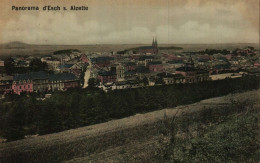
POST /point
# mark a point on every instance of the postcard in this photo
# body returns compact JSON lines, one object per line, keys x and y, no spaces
{"x":129,"y":80}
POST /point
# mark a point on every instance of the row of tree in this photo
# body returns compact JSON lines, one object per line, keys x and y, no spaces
{"x":34,"y":65}
{"x":22,"y":115}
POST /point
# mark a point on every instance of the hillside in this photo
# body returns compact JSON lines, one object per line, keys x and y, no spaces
{"x":135,"y":138}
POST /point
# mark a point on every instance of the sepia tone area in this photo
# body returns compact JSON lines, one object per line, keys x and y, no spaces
{"x":129,"y":81}
{"x":131,"y":22}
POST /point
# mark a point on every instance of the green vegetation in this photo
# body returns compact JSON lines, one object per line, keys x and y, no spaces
{"x":171,"y":48}
{"x":9,"y":65}
{"x":10,"y":68}
{"x":37,"y":65}
{"x":135,"y":50}
{"x":67,"y":51}
{"x":214,"y":51}
{"x":81,"y":107}
{"x":222,"y":134}
{"x":92,"y":83}
{"x":217,"y":133}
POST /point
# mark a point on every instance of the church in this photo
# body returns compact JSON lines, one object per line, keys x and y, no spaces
{"x":150,"y":49}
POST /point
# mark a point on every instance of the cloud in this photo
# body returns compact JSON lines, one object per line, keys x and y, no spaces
{"x":190,"y":22}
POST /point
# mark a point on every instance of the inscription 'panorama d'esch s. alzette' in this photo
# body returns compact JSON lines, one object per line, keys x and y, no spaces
{"x":49,"y":8}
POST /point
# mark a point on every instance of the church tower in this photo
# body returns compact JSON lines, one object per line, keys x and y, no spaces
{"x":155,"y":43}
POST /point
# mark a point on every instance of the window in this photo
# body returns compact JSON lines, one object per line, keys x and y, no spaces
{"x":20,"y":87}
{"x":28,"y":86}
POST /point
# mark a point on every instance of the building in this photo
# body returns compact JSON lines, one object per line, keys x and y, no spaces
{"x":64,"y":68}
{"x":101,"y":62}
{"x":169,"y":78}
{"x":53,"y":64}
{"x":2,"y":63}
{"x":176,"y":63}
{"x":224,"y":76}
{"x":43,"y":82}
{"x":62,"y":82}
{"x":120,"y":73}
{"x":145,"y":59}
{"x":6,"y":84}
{"x":191,"y":73}
{"x":155,"y":66}
{"x":22,"y":83}
{"x":130,"y":66}
{"x":84,"y":58}
{"x":40,"y":81}
{"x":107,"y":76}
{"x":149,"y":49}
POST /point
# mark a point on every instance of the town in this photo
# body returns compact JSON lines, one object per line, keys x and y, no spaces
{"x":131,"y":68}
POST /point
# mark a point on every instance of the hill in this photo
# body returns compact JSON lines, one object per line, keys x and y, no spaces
{"x":15,"y":45}
{"x":142,"y":137}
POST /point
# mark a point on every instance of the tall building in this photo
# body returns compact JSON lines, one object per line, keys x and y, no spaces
{"x":150,"y":49}
{"x":120,"y":73}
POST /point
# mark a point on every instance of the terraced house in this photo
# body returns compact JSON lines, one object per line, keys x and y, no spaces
{"x":62,"y":81}
{"x":42,"y":82}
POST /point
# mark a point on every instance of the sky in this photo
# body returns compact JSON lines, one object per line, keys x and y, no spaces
{"x":132,"y":22}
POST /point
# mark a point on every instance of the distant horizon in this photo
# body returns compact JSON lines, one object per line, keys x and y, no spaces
{"x":21,"y":42}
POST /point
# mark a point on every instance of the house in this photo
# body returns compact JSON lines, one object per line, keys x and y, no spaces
{"x":64,"y":68}
{"x":155,"y":66}
{"x":62,"y":81}
{"x":130,"y":75}
{"x":120,"y":85}
{"x":22,"y":64}
{"x":52,"y":64}
{"x":106,"y":76}
{"x":176,"y":63}
{"x":191,"y":73}
{"x":222,"y":76}
{"x":142,"y":71}
{"x":120,"y":73}
{"x":39,"y":81}
{"x":23,"y":83}
{"x":145,"y":59}
{"x":42,"y":81}
{"x":130,"y":66}
{"x":100,"y":62}
{"x":6,"y":84}
{"x":2,"y":63}
{"x":84,"y":58}
{"x":256,"y":64}
{"x":171,"y":78}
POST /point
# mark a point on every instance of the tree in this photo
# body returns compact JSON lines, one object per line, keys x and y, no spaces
{"x":82,"y":75}
{"x":92,"y":82}
{"x":14,"y":122}
{"x":145,"y":81}
{"x":159,"y":81}
{"x":37,"y":65}
{"x":9,"y":65}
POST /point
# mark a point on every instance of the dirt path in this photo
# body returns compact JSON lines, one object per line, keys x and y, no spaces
{"x":97,"y":141}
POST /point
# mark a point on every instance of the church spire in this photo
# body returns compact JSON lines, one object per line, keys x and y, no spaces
{"x":153,"y":44}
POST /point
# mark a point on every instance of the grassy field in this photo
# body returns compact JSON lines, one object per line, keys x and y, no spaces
{"x":214,"y":130}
